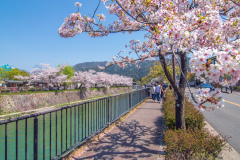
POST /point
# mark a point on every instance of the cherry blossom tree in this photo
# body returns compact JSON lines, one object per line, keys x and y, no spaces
{"x":49,"y":75}
{"x":23,"y":78}
{"x":205,"y":28}
{"x":91,"y":77}
{"x":86,"y":78}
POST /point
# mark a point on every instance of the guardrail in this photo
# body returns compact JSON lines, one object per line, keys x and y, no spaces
{"x":50,"y":134}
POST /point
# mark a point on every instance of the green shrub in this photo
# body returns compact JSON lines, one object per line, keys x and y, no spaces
{"x":238,"y":88}
{"x":31,"y":89}
{"x":5,"y":91}
{"x":194,"y":119}
{"x":192,"y":144}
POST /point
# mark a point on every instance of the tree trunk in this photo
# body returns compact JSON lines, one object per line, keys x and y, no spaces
{"x":180,"y":101}
{"x":180,"y":112}
{"x":179,"y":90}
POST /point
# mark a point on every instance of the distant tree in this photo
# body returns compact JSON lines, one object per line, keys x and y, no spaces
{"x":157,"y":72}
{"x":3,"y":74}
{"x":135,"y":80}
{"x":15,"y":72}
{"x":91,"y":78}
{"x":51,"y":76}
{"x":190,"y":76}
{"x":68,"y":70}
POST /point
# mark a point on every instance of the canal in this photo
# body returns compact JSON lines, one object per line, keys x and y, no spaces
{"x":60,"y":130}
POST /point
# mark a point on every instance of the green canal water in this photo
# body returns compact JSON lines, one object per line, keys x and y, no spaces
{"x":77,"y":123}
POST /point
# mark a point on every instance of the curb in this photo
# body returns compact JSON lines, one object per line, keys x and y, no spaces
{"x":228,"y":152}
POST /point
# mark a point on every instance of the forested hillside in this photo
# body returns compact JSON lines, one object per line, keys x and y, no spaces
{"x":130,"y":70}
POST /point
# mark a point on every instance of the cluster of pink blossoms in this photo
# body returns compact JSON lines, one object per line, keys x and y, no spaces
{"x":214,"y":97}
{"x":46,"y":74}
{"x":224,"y":69}
{"x":204,"y":28}
{"x":92,"y":78}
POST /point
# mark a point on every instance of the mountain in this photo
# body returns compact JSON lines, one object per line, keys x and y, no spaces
{"x":130,"y":70}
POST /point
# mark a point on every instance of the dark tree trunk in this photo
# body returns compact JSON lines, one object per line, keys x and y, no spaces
{"x":179,"y":90}
{"x":180,"y":101}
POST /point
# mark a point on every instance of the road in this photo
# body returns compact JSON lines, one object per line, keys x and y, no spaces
{"x":226,"y":120}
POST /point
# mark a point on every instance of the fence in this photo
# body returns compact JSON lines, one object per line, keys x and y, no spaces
{"x":50,"y":134}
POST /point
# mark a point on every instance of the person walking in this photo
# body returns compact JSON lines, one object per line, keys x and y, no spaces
{"x":164,"y":87}
{"x":158,"y":91}
{"x":152,"y":92}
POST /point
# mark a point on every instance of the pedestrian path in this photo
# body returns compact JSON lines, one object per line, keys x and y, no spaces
{"x":139,"y":136}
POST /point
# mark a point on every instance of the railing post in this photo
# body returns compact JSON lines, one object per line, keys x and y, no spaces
{"x":108,"y":107}
{"x":6,"y":146}
{"x":141,"y":96}
{"x":148,"y":93}
{"x":35,"y":138}
{"x":130,"y":101}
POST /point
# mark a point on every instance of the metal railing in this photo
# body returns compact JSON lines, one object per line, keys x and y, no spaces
{"x":50,"y":134}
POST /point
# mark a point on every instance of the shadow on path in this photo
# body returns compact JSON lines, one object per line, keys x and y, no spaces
{"x":132,"y":141}
{"x":139,"y":136}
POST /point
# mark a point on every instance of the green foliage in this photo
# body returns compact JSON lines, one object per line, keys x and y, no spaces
{"x":5,"y":91}
{"x":10,"y":74}
{"x":68,"y":70}
{"x":3,"y":73}
{"x":130,"y":70}
{"x":157,"y":72}
{"x":192,"y":144}
{"x":194,"y":119}
{"x":190,"y":76}
{"x":238,"y":88}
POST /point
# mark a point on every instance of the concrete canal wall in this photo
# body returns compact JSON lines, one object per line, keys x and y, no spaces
{"x":24,"y":102}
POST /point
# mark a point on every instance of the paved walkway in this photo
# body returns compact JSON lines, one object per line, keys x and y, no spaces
{"x":139,"y":136}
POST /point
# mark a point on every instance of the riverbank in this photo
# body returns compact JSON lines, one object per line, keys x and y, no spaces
{"x":21,"y":104}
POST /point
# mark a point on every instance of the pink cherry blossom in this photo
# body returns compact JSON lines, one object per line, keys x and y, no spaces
{"x":78,"y":4}
{"x":206,"y":29}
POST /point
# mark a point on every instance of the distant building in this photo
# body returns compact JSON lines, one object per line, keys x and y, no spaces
{"x":7,"y":67}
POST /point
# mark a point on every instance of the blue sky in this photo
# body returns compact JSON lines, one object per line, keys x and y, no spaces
{"x":29,"y":35}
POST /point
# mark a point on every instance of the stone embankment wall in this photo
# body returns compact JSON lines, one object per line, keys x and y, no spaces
{"x":24,"y":102}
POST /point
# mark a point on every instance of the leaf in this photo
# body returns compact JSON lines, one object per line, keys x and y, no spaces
{"x":235,"y":23}
{"x":156,"y":29}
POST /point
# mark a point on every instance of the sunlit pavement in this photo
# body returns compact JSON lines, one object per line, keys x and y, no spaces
{"x":139,"y":136}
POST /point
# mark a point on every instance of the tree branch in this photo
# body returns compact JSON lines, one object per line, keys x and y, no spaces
{"x":96,"y":8}
{"x":235,"y":3}
{"x":131,"y":15}
{"x":167,"y":73}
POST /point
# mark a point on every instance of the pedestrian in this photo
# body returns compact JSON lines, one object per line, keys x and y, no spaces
{"x":164,"y":87}
{"x":152,"y":92}
{"x":158,"y":91}
{"x":13,"y":89}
